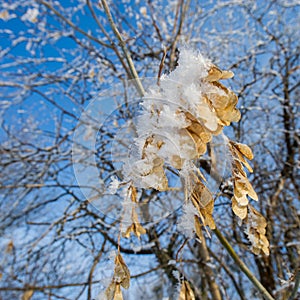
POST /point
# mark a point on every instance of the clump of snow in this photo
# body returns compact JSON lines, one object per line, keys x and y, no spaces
{"x":163,"y":118}
{"x":192,"y":66}
{"x":176,"y":122}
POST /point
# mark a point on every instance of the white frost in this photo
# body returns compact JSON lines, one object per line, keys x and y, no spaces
{"x":30,"y":15}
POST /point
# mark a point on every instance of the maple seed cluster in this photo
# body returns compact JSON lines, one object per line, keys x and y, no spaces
{"x":255,"y":222}
{"x":120,"y":278}
{"x":203,"y":106}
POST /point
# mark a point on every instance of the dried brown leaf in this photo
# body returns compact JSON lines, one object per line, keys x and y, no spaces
{"x":121,"y":272}
{"x":243,"y":186}
{"x":157,"y":164}
{"x":133,"y":193}
{"x":256,"y":231}
{"x":136,"y":228}
{"x":158,"y":170}
{"x":186,"y":292}
{"x":238,"y":168}
{"x":113,"y":292}
{"x":215,"y":74}
{"x":140,"y":230}
{"x":27,"y":295}
{"x":161,"y":183}
{"x":244,"y":150}
{"x":228,"y":113}
{"x":203,"y":201}
{"x":259,"y":220}
{"x":201,"y":195}
{"x":238,"y":189}
{"x":227,"y":74}
{"x":239,"y":210}
{"x":199,"y":134}
{"x":265,"y":245}
{"x":244,"y":162}
{"x":118,"y":293}
{"x":251,"y":192}
{"x":218,"y":101}
{"x":128,"y":231}
{"x":110,"y":291}
{"x":239,"y":151}
{"x":209,"y":221}
{"x":255,"y":250}
{"x":242,"y":201}
{"x":176,"y":161}
{"x":201,"y":147}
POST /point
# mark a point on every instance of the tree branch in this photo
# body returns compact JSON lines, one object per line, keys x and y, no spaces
{"x":242,"y":265}
{"x":133,"y":71}
{"x":56,"y":12}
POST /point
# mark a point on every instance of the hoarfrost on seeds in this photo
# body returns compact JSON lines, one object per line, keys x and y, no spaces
{"x":179,"y":119}
{"x":161,"y":138}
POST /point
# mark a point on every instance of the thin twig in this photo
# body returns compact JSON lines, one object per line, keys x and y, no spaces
{"x":184,"y":9}
{"x":122,"y":43}
{"x":242,"y":265}
{"x":227,"y":270}
{"x":95,"y":263}
{"x":161,"y":65}
{"x":76,"y":28}
{"x":181,"y":248}
{"x":113,"y":45}
{"x":207,"y":270}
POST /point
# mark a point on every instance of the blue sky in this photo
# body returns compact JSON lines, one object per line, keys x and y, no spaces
{"x":70,"y":85}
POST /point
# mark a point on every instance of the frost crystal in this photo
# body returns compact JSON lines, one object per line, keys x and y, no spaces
{"x":114,"y":185}
{"x":30,"y":15}
{"x":186,"y":222}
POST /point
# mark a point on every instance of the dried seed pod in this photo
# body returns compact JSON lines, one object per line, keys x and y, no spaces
{"x":256,"y":231}
{"x":135,"y":227}
{"x":186,"y":293}
{"x":202,"y":199}
{"x":121,"y":272}
{"x":239,"y":210}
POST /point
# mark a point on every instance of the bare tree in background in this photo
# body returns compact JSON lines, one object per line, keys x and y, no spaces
{"x":56,"y":57}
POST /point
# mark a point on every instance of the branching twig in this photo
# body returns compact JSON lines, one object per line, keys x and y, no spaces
{"x":227,"y":270}
{"x":184,"y":9}
{"x":204,"y":254}
{"x":161,"y":65}
{"x":242,"y":265}
{"x":70,"y":23}
{"x":134,"y":74}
